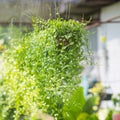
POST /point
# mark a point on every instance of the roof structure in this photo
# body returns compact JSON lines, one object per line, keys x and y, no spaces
{"x":87,"y":9}
{"x":74,"y":9}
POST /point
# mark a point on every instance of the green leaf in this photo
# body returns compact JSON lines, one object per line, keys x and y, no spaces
{"x":74,"y":105}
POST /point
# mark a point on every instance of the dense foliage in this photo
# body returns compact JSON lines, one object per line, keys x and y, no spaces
{"x":11,"y":32}
{"x":42,"y":69}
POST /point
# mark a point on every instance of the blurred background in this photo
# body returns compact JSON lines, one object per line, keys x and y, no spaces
{"x":103,"y":17}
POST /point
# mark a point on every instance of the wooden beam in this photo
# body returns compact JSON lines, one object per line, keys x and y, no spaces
{"x":93,"y":3}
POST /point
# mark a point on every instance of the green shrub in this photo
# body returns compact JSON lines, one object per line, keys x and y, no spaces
{"x":42,"y":69}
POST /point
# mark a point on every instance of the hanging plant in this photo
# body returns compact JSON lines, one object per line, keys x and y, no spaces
{"x":43,"y":69}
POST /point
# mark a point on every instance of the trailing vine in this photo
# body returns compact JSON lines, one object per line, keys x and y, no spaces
{"x":43,"y":68}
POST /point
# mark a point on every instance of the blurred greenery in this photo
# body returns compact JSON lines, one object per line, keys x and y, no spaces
{"x":74,"y":106}
{"x":109,"y":115}
{"x":79,"y":108}
{"x":9,"y":33}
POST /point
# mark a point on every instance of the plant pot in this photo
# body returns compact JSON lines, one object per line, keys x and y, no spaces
{"x":116,"y":116}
